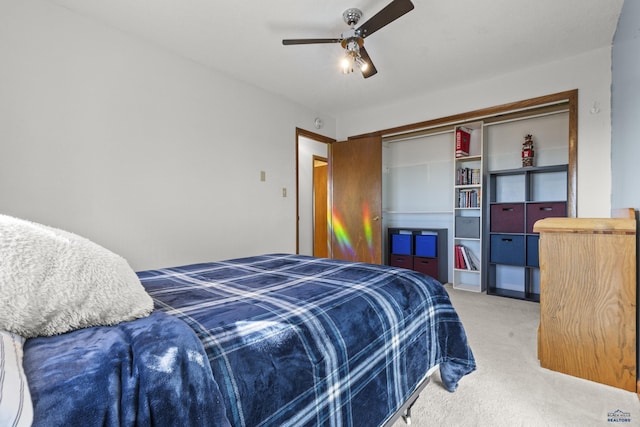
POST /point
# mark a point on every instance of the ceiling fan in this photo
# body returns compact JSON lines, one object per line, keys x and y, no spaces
{"x":352,"y":41}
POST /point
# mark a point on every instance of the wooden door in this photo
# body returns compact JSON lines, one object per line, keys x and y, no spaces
{"x":356,"y":200}
{"x":320,"y":207}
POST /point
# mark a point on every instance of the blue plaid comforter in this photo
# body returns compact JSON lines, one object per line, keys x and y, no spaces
{"x":148,"y":372}
{"x":301,"y":341}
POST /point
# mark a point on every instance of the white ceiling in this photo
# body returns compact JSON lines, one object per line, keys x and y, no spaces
{"x":440,"y":43}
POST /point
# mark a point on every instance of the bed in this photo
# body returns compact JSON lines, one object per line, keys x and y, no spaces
{"x":270,"y":340}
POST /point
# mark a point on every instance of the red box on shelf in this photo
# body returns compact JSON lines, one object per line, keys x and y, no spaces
{"x":462,"y":142}
{"x":404,"y":261}
{"x":424,"y":265}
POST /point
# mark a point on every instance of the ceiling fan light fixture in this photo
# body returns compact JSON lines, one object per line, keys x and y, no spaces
{"x":362,"y":64}
{"x":352,"y":40}
{"x":352,"y":60}
{"x":348,"y":60}
{"x":346,"y":64}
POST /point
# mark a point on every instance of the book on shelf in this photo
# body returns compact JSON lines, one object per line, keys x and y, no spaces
{"x":474,"y":261}
{"x":466,"y":259}
{"x":475,"y":176}
{"x":463,"y":138}
{"x":469,"y":198}
{"x":467,"y":176}
{"x":459,"y":259}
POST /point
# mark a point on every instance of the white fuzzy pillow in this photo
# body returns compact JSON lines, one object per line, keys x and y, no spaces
{"x":53,"y":281}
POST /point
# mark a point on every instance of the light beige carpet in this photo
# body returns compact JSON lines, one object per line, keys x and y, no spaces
{"x":509,"y":388}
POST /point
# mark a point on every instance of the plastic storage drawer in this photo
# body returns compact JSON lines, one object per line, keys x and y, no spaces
{"x":404,"y":261}
{"x":507,"y":249}
{"x":428,"y":266}
{"x":536,"y":211}
{"x":532,"y":251}
{"x":401,"y":244}
{"x":468,"y":227}
{"x":507,"y":218}
{"x":425,"y":245}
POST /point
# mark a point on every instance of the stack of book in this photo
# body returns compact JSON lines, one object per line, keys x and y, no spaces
{"x":468,"y":198}
{"x":467,"y":176}
{"x":466,"y":259}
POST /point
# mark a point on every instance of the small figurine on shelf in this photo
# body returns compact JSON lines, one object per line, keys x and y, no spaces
{"x":527,"y":151}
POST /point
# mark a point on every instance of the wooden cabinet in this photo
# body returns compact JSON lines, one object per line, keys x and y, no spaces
{"x":517,"y":199}
{"x":419,"y":249}
{"x":588,"y":299}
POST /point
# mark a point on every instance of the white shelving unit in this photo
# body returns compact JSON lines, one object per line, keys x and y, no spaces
{"x":468,"y":200}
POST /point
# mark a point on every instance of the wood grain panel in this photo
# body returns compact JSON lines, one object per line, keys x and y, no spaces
{"x":588,"y":299}
{"x":356,"y":200}
{"x":320,"y":207}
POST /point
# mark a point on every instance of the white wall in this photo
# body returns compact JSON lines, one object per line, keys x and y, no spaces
{"x":159,"y":159}
{"x":148,"y":154}
{"x":590,"y":73}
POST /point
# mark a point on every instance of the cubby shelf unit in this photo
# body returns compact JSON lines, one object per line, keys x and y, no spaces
{"x":517,"y":199}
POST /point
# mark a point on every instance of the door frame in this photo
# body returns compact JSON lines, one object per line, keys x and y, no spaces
{"x":317,"y":138}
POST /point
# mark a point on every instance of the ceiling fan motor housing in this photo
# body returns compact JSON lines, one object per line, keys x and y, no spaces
{"x":352,"y":43}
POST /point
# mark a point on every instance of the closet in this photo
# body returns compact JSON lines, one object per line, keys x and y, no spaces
{"x":421,"y":186}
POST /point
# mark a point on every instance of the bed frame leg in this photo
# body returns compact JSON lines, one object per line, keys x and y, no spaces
{"x":405,"y":410}
{"x":407,"y":415}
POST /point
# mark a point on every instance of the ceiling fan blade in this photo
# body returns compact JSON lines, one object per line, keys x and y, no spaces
{"x":287,"y":42}
{"x":371,"y":69}
{"x":388,"y":14}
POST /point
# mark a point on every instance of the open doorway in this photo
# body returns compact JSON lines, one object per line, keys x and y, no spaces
{"x":312,"y":152}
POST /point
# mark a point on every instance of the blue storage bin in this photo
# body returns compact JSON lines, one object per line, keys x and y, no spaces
{"x":426,"y":245}
{"x":532,"y":251}
{"x":401,"y":244}
{"x":507,"y":249}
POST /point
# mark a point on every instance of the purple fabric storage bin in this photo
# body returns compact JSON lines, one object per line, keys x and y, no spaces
{"x":507,"y":218}
{"x":536,"y":211}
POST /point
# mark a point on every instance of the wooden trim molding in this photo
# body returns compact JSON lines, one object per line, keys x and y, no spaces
{"x":312,"y":135}
{"x":567,"y":100}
